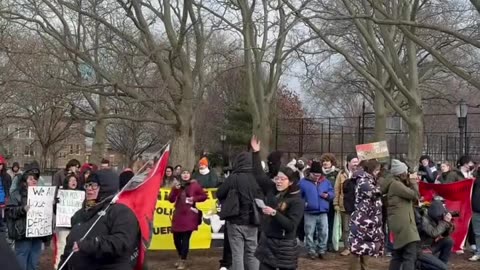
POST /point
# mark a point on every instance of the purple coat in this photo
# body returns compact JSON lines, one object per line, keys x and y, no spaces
{"x":185,"y":219}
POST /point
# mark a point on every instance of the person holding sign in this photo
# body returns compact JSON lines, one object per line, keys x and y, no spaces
{"x":27,"y":249}
{"x":114,"y":238}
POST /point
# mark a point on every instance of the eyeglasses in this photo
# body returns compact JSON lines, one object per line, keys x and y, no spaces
{"x":278,"y":178}
{"x":93,"y":186}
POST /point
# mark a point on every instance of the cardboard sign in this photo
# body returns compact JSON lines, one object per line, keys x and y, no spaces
{"x":377,"y":150}
{"x":40,"y":212}
{"x":70,"y":201}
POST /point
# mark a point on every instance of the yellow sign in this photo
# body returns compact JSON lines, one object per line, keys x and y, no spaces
{"x":162,"y":237}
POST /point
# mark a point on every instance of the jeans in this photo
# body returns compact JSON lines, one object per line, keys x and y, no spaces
{"x":443,"y":248}
{"x":182,"y":243}
{"x":404,"y":258}
{"x":316,"y":224}
{"x":359,"y":262}
{"x":476,"y":230}
{"x":28,"y":253}
{"x":243,"y":242}
{"x":268,"y":267}
{"x":345,"y":229}
{"x":226,"y":260}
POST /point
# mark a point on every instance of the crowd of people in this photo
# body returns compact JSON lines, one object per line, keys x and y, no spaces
{"x":272,"y":209}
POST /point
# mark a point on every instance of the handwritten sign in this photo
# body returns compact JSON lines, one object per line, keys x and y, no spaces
{"x":70,"y":201}
{"x":40,"y":212}
{"x":377,"y":150}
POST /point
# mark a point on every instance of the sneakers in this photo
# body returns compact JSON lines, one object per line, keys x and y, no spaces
{"x":346,"y":252}
{"x":475,"y":258}
{"x":182,"y":265}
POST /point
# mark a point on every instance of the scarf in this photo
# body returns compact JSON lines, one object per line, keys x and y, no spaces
{"x":204,"y":171}
{"x":328,"y":171}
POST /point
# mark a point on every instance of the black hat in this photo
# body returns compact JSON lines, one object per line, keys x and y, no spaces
{"x":108,"y":187}
{"x":351,"y":156}
{"x":316,"y":167}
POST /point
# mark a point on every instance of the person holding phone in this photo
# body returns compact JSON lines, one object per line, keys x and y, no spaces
{"x":283,"y":210}
{"x":186,"y":216}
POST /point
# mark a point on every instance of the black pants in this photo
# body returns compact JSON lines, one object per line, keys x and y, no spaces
{"x":226,"y":260}
{"x":404,"y":258}
{"x":182,"y":243}
{"x":268,"y":267}
{"x":471,"y":235}
{"x":443,"y":248}
{"x":331,"y":218}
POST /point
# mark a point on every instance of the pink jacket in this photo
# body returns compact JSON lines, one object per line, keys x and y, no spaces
{"x":185,"y":219}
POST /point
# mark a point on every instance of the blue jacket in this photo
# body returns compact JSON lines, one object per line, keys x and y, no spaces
{"x":311,"y":193}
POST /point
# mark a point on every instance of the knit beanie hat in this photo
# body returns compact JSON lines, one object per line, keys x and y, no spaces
{"x":398,"y":167}
{"x":316,"y":167}
{"x":203,"y":162}
{"x":351,"y":156}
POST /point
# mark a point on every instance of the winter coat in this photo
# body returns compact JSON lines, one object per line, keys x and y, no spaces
{"x":278,"y":246}
{"x":450,"y":177}
{"x":186,"y":216}
{"x":476,"y":196}
{"x":401,"y":217}
{"x":6,"y":182}
{"x":209,"y":180}
{"x":331,"y":176}
{"x":243,"y":180}
{"x":428,"y":175}
{"x":432,"y":224}
{"x":312,"y":190}
{"x":110,"y":244}
{"x":339,"y":194}
{"x":349,"y":187}
{"x":366,"y":236}
{"x":59,"y":177}
{"x":111,"y":177}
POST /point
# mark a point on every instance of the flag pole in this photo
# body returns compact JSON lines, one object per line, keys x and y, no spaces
{"x":104,"y":212}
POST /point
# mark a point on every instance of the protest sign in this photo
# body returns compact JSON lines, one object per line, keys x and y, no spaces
{"x":40,"y":212}
{"x":458,"y":199}
{"x":376,"y":150}
{"x":70,"y":201}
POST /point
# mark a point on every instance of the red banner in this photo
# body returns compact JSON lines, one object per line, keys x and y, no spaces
{"x":458,"y":198}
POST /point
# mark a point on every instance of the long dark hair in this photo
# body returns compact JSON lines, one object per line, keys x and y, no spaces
{"x":67,"y":180}
{"x":293,"y":177}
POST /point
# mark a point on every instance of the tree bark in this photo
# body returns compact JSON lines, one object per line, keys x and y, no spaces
{"x":183,"y":145}
{"x":380,"y":116}
{"x":99,"y":139}
{"x":262,"y":128}
{"x":415,"y":136}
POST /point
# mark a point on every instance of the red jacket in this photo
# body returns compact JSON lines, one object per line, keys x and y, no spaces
{"x":185,"y":219}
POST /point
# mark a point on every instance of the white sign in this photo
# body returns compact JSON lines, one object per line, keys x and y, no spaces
{"x":40,"y":211}
{"x":70,"y":201}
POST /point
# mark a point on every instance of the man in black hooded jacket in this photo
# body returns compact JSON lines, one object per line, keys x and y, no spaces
{"x":113,"y":241}
{"x":242,"y":230}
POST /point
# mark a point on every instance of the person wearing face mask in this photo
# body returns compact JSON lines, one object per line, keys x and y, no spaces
{"x":205,"y":177}
{"x":338,"y":201}
{"x":27,"y":250}
{"x":186,"y":216}
{"x":113,"y":241}
{"x":366,"y":238}
{"x":402,"y":195}
{"x":466,"y":167}
{"x":73,"y":166}
{"x":318,"y":193}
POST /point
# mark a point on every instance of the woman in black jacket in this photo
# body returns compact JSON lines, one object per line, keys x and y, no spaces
{"x":284,"y":209}
{"x":112,"y":242}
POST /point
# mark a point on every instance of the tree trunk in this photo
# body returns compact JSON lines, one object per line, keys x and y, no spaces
{"x":99,"y":139}
{"x":415,"y":137}
{"x":44,"y":158}
{"x":380,"y":117}
{"x":183,"y":145}
{"x":262,"y":128}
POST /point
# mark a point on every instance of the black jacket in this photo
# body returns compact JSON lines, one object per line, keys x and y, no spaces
{"x":428,"y":177}
{"x":243,"y":180}
{"x":278,"y":245}
{"x":7,"y":256}
{"x":111,"y":243}
{"x":16,"y":215}
{"x":349,"y":194}
{"x":476,"y":196}
{"x":6,"y":182}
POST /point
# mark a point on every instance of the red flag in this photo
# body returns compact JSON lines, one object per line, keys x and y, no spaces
{"x":140,"y":195}
{"x":458,"y":197}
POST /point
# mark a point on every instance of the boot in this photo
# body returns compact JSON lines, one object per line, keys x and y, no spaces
{"x":182,"y":265}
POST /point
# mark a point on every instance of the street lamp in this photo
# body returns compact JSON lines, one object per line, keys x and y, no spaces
{"x":462,"y":112}
{"x":223,"y":138}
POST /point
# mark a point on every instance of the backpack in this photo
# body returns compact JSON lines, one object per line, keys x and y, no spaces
{"x":349,"y":194}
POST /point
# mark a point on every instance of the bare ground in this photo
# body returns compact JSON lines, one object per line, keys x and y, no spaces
{"x":208,"y":260}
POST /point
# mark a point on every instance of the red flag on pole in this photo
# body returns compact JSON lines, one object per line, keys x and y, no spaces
{"x":140,"y":195}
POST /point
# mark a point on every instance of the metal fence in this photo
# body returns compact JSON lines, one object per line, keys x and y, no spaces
{"x":310,"y":137}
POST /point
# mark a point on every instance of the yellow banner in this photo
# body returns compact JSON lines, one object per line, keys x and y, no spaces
{"x":162,"y":238}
